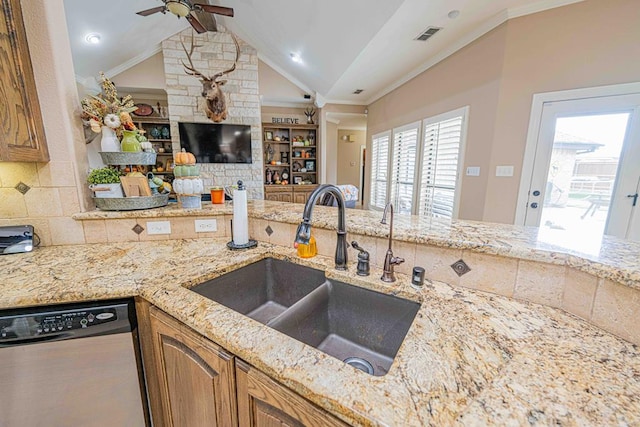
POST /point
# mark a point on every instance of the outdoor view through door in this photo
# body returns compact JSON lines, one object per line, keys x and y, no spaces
{"x":586,"y":170}
{"x":582,"y":173}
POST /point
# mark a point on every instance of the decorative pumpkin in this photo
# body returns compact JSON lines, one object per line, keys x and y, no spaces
{"x":184,"y":158}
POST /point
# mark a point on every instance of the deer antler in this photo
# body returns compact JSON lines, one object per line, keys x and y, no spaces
{"x":222,"y":73}
{"x":191,"y":69}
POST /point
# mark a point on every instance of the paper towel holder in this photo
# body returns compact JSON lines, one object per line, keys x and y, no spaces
{"x":251,"y":244}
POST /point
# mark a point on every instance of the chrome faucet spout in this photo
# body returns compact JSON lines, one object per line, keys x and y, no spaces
{"x":389,"y":260}
{"x":303,"y":234}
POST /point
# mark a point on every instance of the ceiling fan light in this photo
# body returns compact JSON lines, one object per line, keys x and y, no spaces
{"x":178,"y":8}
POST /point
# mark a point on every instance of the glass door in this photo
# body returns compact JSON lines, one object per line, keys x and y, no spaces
{"x":587,"y":163}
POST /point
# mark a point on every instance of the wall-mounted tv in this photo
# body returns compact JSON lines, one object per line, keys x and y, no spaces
{"x":216,"y":142}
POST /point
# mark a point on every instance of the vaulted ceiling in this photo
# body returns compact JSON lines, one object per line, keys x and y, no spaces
{"x":345,"y":45}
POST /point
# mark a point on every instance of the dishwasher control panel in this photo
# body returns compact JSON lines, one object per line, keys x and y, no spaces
{"x":63,"y":324}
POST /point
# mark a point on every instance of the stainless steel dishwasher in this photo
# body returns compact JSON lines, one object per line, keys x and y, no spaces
{"x":71,"y":365}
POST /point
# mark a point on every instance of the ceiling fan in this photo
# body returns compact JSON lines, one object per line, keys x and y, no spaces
{"x":186,"y":9}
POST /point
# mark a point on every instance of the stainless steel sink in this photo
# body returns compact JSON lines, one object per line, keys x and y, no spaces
{"x":356,"y":325}
{"x":264,"y":289}
{"x":364,"y":328}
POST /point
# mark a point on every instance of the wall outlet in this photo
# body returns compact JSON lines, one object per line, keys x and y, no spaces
{"x":158,"y":227}
{"x":206,"y":225}
{"x":473,"y":171}
{"x":504,"y":170}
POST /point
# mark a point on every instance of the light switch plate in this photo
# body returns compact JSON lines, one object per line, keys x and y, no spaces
{"x":206,"y":225}
{"x":504,"y":170}
{"x":158,"y":227}
{"x":473,"y":171}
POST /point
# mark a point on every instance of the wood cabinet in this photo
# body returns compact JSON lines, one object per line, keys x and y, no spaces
{"x":196,"y":377}
{"x":262,"y":402}
{"x":288,"y":193}
{"x":193,"y":382}
{"x":22,"y":137}
{"x":295,"y":149}
{"x":278,"y":193}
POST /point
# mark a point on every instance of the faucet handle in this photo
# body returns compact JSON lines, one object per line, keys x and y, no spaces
{"x":355,"y":245}
{"x":396,"y":260}
{"x":363,"y":260}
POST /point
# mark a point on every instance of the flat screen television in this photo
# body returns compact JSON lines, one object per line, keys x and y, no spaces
{"x":216,"y":142}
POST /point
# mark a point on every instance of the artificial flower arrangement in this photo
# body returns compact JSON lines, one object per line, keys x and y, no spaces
{"x":107,"y":109}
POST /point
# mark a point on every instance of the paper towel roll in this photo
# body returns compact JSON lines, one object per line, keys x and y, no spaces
{"x":240,"y":216}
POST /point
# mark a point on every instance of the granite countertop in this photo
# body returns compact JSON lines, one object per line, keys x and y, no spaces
{"x":469,"y":358}
{"x":608,"y":258}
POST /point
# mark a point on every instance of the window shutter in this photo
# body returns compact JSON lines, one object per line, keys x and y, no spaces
{"x":439,"y":175}
{"x":403,"y":165}
{"x":379,"y":164}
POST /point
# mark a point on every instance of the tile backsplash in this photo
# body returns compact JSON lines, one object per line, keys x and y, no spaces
{"x":44,"y":195}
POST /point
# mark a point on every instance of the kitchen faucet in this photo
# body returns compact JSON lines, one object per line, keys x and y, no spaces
{"x":303,"y":234}
{"x":389,"y":259}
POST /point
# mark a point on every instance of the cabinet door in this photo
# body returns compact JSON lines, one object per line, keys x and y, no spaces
{"x":300,"y":197}
{"x":286,"y":197}
{"x":21,"y":130}
{"x":196,"y":376}
{"x":263,"y":402}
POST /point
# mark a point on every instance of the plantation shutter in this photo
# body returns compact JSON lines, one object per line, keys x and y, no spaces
{"x":439,"y":175}
{"x":403,"y":166}
{"x":379,"y":164}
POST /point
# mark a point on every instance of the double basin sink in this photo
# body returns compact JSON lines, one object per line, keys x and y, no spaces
{"x":361,"y":327}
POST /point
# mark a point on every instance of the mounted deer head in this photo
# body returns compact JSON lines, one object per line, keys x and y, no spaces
{"x":216,"y":103}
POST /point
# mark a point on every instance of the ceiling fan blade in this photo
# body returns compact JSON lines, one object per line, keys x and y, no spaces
{"x":208,"y":20}
{"x":219,"y":10}
{"x":196,"y":24}
{"x":151,"y":11}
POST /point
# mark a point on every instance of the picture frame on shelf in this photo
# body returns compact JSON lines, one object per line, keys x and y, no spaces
{"x":297,"y":180}
{"x":268,"y":135}
{"x":310,"y":165}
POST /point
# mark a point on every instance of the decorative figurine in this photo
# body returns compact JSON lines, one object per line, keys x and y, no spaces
{"x":269,"y":177}
{"x":309,"y":112}
{"x":269,"y":152}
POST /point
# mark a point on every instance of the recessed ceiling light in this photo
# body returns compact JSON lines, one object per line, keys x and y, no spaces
{"x":92,"y":38}
{"x":296,"y":58}
{"x":453,"y":14}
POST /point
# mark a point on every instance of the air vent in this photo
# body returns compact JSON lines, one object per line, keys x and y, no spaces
{"x":358,"y":91}
{"x":427,"y":34}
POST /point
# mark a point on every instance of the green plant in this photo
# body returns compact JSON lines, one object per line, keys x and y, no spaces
{"x":104,"y":175}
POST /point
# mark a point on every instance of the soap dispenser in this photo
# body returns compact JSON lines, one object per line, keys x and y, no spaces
{"x":308,"y":250}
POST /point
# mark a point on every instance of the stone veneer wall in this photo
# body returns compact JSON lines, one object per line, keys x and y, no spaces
{"x":216,"y":53}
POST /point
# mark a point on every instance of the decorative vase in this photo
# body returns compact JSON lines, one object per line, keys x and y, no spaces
{"x":109,"y":142}
{"x":130,"y":143}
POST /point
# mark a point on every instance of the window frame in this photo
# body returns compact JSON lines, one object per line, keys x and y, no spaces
{"x":420,"y":148}
{"x":464,"y":112}
{"x":372,"y":180}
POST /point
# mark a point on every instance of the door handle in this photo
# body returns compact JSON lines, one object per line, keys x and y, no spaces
{"x":635,"y":198}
